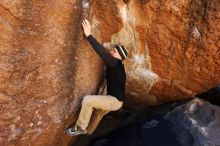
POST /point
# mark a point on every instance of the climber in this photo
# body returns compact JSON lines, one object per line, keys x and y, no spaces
{"x":116,"y":78}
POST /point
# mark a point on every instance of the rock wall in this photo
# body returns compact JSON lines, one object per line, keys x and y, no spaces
{"x":46,"y":65}
{"x":191,"y":122}
{"x":44,"y":70}
{"x":173,"y":45}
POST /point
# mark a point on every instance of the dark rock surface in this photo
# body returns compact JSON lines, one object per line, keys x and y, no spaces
{"x":185,"y":123}
{"x":212,"y":95}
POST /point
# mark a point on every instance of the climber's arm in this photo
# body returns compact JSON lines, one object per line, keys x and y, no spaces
{"x":107,"y":58}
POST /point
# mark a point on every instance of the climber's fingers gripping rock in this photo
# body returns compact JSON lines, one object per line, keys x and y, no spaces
{"x":86,"y":27}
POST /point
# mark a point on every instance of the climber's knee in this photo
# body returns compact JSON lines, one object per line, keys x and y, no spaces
{"x":86,"y":100}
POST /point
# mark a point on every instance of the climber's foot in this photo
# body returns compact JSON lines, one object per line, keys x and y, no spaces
{"x":75,"y":130}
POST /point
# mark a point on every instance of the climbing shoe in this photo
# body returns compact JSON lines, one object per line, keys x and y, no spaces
{"x":75,"y":130}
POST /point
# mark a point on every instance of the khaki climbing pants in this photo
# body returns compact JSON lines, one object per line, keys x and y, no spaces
{"x":102,"y":104}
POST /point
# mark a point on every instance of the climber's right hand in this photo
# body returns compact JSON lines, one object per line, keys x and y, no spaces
{"x":86,"y":27}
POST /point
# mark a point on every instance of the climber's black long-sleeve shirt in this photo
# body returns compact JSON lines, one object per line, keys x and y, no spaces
{"x":115,"y":73}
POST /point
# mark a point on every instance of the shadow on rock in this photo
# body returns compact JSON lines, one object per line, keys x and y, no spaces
{"x":212,"y":95}
{"x":192,"y":122}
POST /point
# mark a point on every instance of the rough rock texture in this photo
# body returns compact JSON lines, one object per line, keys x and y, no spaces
{"x":46,"y":65}
{"x":198,"y":121}
{"x":173,"y":45}
{"x":184,"y":123}
{"x":44,"y":70}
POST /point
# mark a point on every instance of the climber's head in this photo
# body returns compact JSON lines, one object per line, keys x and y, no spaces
{"x":119,"y":52}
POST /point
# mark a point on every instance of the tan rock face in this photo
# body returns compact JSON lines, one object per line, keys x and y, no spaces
{"x":46,"y":65}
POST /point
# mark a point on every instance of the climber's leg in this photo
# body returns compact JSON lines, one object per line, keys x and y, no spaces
{"x":89,"y":102}
{"x":97,"y":116}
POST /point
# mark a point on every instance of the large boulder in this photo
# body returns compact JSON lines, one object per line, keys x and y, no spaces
{"x":44,"y":70}
{"x":183,"y":123}
{"x":198,"y":121}
{"x":46,"y":66}
{"x":173,"y":45}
